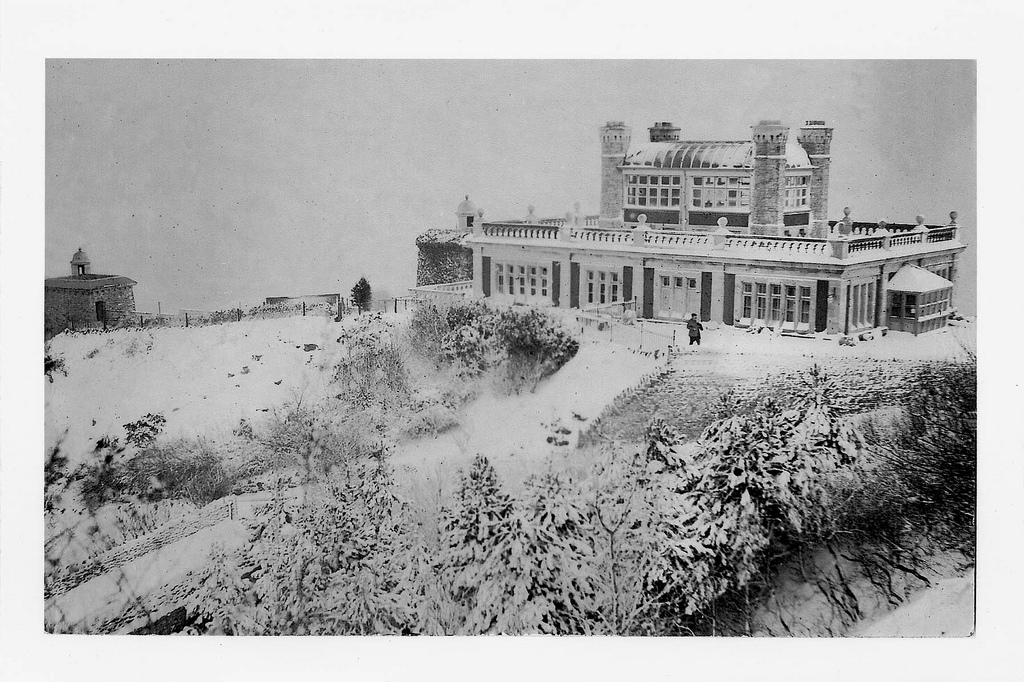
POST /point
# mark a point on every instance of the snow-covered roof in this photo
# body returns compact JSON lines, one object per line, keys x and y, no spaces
{"x":707,"y":154}
{"x":87,"y":281}
{"x":917,"y":280}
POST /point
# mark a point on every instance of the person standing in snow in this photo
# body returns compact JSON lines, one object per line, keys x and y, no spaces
{"x":694,"y":326}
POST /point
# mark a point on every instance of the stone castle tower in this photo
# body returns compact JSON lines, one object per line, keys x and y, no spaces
{"x":615,"y":136}
{"x":816,"y":139}
{"x":768,"y":196}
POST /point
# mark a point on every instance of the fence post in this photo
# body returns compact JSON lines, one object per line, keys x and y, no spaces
{"x":396,"y":306}
{"x":186,"y":319}
{"x":303,"y":308}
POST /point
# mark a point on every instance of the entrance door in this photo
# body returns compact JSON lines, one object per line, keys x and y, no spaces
{"x":101,"y":311}
{"x":665,"y":301}
{"x":519,"y":281}
{"x":679,"y":297}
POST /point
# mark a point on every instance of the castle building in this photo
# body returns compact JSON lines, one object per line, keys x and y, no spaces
{"x":735,"y":231}
{"x":85,"y":300}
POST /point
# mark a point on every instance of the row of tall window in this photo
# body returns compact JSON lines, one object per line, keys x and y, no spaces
{"x":603,"y":286}
{"x":653,"y":190}
{"x":862,"y":305}
{"x":720,"y":191}
{"x":522,"y":280}
{"x":774,"y":303}
{"x":796,"y":191}
{"x":707,"y":191}
{"x":918,"y":306}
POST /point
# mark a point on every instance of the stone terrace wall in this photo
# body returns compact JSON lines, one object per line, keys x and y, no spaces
{"x":442,"y":258}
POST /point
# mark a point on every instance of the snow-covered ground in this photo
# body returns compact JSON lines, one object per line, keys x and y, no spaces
{"x":513,"y":430}
{"x":944,"y":610}
{"x":196,"y":377}
{"x":204,"y":380}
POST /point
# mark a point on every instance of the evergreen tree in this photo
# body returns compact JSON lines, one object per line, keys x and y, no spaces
{"x":361,"y":295}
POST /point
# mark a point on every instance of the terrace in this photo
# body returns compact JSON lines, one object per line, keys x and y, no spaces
{"x":857,"y":241}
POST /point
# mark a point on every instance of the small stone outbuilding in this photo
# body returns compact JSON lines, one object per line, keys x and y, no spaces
{"x":85,"y":300}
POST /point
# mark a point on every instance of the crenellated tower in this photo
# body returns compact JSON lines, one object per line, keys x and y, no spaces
{"x":816,"y":139}
{"x":767,"y":201}
{"x":615,"y":137}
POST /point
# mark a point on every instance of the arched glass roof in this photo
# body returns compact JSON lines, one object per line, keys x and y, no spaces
{"x":693,"y":154}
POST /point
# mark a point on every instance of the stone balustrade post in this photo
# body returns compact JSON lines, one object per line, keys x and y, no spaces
{"x":720,"y":236}
{"x":840,"y":246}
{"x":885,"y":234}
{"x":640,"y":231}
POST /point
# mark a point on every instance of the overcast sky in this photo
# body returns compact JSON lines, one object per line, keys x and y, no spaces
{"x":218,"y":182}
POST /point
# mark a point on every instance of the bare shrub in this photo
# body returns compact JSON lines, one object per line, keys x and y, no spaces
{"x":187,"y":469}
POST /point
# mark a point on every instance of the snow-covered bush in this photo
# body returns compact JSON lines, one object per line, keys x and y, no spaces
{"x":534,"y":345}
{"x":467,"y":348}
{"x":100,"y":477}
{"x":345,"y":563}
{"x":538,"y":575}
{"x":143,"y":433}
{"x":427,"y":327}
{"x":186,"y":469}
{"x":53,"y":364}
{"x":923,"y":477}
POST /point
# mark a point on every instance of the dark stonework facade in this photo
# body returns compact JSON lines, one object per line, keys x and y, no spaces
{"x":442,"y":257}
{"x":84,"y":300}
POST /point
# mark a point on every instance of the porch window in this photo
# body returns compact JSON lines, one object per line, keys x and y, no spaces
{"x":910,"y":306}
{"x":762,"y":300}
{"x":776,"y":302}
{"x":805,"y":305}
{"x":790,"y":304}
{"x":896,"y":306}
{"x":748,"y":289}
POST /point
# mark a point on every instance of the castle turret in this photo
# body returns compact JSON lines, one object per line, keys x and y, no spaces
{"x":465,"y":215}
{"x":663,"y":131}
{"x":615,"y":136}
{"x":768,"y":196}
{"x":80,"y":263}
{"x":816,"y":139}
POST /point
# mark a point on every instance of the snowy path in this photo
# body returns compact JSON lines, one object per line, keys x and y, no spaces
{"x":512,"y":431}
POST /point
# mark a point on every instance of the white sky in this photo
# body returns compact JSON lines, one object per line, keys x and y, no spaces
{"x":218,"y":182}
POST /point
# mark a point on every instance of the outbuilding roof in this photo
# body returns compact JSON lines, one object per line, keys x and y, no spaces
{"x":917,"y":280}
{"x":87,"y":282}
{"x":80,"y":258}
{"x":707,"y":154}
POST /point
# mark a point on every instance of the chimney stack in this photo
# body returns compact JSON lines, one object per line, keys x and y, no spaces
{"x":663,"y":131}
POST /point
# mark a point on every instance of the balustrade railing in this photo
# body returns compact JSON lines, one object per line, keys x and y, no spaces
{"x":942,"y":234}
{"x":521,"y":231}
{"x":867,"y":244}
{"x":613,"y":236}
{"x":905,"y":239}
{"x":676,"y":239}
{"x":859,"y":240}
{"x":792,"y":246}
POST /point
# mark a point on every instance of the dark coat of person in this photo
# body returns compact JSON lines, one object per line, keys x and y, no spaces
{"x":695,"y":327}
